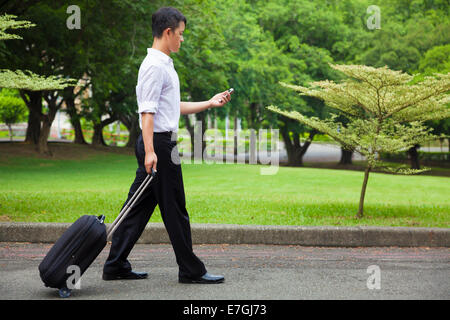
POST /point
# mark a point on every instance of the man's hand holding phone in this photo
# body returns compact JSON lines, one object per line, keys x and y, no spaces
{"x":222,"y":98}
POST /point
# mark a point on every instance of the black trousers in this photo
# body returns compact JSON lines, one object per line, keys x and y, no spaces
{"x":167,"y":191}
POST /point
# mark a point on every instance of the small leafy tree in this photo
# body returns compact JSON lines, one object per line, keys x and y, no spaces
{"x":386,"y":112}
{"x":12,"y":109}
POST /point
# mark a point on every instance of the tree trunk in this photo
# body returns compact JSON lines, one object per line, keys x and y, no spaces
{"x":33,"y":128}
{"x":132,"y":124}
{"x":47,"y":120}
{"x":295,"y":150}
{"x":192,"y":129}
{"x":202,"y":116}
{"x":134,"y":132}
{"x":235,"y":141}
{"x":346,"y":156}
{"x":10,"y":132}
{"x":363,"y":193}
{"x":33,"y":101}
{"x":252,"y":116}
{"x":97,"y":138}
{"x":414,"y":157}
{"x":292,"y":153}
{"x":45,"y":132}
{"x":69,"y":99}
{"x":79,"y":137}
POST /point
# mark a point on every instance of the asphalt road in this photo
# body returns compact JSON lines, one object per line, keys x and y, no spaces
{"x":251,"y":272}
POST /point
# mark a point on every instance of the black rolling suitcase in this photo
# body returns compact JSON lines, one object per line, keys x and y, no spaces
{"x":80,"y":244}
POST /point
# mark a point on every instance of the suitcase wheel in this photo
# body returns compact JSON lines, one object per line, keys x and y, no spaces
{"x":64,"y":292}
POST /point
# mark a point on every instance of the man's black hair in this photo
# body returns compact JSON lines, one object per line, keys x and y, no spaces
{"x":164,"y":18}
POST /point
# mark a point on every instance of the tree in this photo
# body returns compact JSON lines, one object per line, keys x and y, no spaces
{"x":409,"y":29}
{"x":386,"y":112}
{"x":118,"y":36}
{"x":32,"y":87}
{"x":12,"y":109}
{"x":310,"y":34}
{"x":255,"y":65}
{"x":202,"y":60}
{"x":436,"y":60}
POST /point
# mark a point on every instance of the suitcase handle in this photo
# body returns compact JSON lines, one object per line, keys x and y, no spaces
{"x":123,"y":213}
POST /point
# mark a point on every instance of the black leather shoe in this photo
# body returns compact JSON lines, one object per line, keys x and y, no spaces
{"x":130,"y":275}
{"x":206,"y":278}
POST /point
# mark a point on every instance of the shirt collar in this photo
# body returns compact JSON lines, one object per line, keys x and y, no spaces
{"x":159,"y":54}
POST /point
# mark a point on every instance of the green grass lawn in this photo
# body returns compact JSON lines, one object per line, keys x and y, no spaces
{"x":59,"y":190}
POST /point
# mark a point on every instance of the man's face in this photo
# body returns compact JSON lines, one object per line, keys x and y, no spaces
{"x":175,"y":37}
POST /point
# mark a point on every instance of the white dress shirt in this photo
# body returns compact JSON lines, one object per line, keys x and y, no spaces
{"x":158,"y":91}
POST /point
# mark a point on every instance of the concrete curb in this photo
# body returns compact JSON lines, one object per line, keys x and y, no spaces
{"x":241,"y":234}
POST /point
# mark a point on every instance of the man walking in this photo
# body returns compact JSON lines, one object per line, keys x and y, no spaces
{"x":159,"y":107}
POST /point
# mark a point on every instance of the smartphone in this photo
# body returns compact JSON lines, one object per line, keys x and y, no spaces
{"x":230,"y":91}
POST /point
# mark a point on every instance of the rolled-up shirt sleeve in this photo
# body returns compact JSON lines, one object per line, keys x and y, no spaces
{"x":148,"y":89}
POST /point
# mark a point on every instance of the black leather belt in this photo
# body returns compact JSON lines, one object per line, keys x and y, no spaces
{"x":166,"y":133}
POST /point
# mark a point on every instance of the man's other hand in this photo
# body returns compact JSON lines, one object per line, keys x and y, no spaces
{"x":150,"y":162}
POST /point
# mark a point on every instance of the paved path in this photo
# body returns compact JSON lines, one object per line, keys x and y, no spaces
{"x":252,"y":272}
{"x":317,"y":152}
